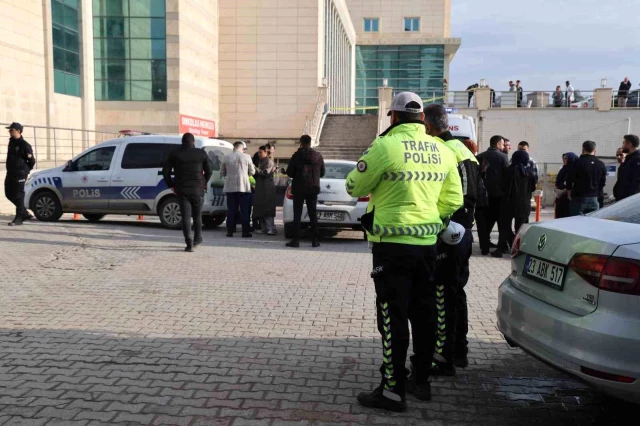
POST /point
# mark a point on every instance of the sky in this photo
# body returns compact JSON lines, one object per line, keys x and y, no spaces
{"x":544,"y":43}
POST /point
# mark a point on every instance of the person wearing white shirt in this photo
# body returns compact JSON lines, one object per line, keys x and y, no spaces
{"x":570,"y":94}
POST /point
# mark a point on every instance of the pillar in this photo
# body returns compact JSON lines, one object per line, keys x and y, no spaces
{"x":602,"y":99}
{"x":384,"y":101}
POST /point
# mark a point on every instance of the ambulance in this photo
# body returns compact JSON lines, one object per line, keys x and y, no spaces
{"x":123,"y":176}
{"x":462,"y":126}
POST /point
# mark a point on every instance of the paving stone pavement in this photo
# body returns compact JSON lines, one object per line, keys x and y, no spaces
{"x":112,"y":323}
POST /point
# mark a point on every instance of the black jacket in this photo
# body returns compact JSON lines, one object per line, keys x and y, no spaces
{"x":518,"y":185}
{"x":20,"y":159}
{"x":628,"y":183}
{"x":493,"y":164}
{"x":256,"y":159}
{"x":306,"y":168}
{"x":469,"y":175}
{"x":623,"y":90}
{"x":587,"y":177}
{"x":192,"y":168}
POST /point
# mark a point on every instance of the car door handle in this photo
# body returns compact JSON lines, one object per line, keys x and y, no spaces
{"x":102,"y":180}
{"x":117,"y":180}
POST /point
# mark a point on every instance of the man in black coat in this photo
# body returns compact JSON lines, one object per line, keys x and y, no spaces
{"x":193,"y":170}
{"x":20,"y":161}
{"x":628,"y":183}
{"x":493,"y":163}
{"x":586,"y":181}
{"x":305,"y":168}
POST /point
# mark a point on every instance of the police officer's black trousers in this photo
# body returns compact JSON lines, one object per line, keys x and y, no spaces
{"x":14,"y":191}
{"x":191,"y":207}
{"x":452,"y":275}
{"x":405,"y":291}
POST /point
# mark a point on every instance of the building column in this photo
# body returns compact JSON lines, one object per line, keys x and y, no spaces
{"x":602,"y":99}
{"x":88,"y":72}
{"x":384,"y":102}
{"x":483,"y":98}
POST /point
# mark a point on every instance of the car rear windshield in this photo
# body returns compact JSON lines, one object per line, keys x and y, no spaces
{"x":627,"y":210}
{"x":338,"y":171}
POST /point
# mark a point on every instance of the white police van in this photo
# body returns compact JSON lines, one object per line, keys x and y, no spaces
{"x":124,"y":176}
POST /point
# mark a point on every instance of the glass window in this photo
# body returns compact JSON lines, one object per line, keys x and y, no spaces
{"x":146,"y":155}
{"x":622,"y":211}
{"x":66,"y":46}
{"x":337,"y":171}
{"x":412,"y":24}
{"x":216,"y":155}
{"x":371,"y":25}
{"x":130,"y":50}
{"x":96,"y":160}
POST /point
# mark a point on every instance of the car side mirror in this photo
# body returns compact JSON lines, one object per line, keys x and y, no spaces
{"x":69,"y":166}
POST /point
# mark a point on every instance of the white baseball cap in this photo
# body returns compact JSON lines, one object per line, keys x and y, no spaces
{"x":453,"y":234}
{"x":406,"y":102}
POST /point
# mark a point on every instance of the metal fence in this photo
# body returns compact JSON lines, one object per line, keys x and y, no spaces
{"x":53,"y":146}
{"x":524,"y":99}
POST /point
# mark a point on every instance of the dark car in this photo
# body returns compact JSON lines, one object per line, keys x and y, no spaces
{"x":633,"y":101}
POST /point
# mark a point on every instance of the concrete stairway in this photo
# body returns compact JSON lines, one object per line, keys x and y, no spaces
{"x":346,"y":137}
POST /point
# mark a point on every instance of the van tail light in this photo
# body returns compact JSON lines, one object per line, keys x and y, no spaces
{"x":288,"y":194}
{"x":606,"y":376}
{"x":364,"y":199}
{"x":613,"y":274}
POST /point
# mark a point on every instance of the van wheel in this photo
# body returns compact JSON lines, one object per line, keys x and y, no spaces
{"x":213,"y":221}
{"x":169,"y":213}
{"x":93,"y":217}
{"x":46,"y":207}
{"x":289,"y":230}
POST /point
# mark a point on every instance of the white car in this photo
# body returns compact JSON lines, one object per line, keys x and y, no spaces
{"x":336,"y":208}
{"x":587,"y":102}
{"x":573,"y":297}
{"x":124,"y":176}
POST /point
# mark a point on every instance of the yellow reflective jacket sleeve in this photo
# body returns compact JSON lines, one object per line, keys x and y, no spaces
{"x":451,"y":198}
{"x":366,"y":176}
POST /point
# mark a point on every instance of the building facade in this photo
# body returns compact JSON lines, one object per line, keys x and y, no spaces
{"x":236,"y":69}
{"x":407,"y":43}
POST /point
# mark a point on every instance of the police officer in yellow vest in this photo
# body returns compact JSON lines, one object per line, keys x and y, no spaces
{"x":452,"y":266}
{"x":414,"y":186}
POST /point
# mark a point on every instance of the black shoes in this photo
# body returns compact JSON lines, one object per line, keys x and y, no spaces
{"x":442,"y":369}
{"x":247,"y":235}
{"x":315,"y":243}
{"x":497,"y":254}
{"x":385,"y":400}
{"x":230,"y":234}
{"x":422,"y":391}
{"x":15,"y":223}
{"x":197,"y":243}
{"x":293,"y":244}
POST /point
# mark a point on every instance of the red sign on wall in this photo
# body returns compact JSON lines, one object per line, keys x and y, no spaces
{"x":197,"y":126}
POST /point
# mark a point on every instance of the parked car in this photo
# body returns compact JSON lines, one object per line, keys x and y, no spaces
{"x":573,"y":297}
{"x":336,"y":208}
{"x":633,"y":101}
{"x":124,"y":176}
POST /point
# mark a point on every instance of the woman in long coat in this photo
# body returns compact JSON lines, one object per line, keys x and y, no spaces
{"x":562,"y":199}
{"x":264,"y":204}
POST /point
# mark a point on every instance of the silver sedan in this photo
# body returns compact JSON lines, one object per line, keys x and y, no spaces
{"x":573,"y":297}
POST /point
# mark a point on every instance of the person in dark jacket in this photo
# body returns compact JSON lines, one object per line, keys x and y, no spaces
{"x":628,"y":183}
{"x":452,"y":266}
{"x":585,"y":181}
{"x":518,"y":183}
{"x":305,"y":168}
{"x":20,"y":161}
{"x":623,"y":92}
{"x":562,"y":195}
{"x":193,"y":170}
{"x":264,"y":205}
{"x":493,"y":163}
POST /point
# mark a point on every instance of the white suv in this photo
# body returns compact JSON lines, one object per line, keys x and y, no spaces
{"x":124,"y":176}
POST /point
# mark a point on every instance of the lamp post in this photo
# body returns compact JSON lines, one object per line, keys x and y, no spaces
{"x":603,"y":82}
{"x":483,"y":82}
{"x":385,"y":82}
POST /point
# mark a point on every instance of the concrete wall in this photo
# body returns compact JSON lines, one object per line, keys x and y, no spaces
{"x":269,"y":56}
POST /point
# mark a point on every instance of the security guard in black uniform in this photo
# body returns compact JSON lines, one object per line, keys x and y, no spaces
{"x":452,"y":266}
{"x":20,"y":161}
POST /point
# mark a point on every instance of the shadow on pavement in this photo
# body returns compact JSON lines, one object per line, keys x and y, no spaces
{"x":79,"y":375}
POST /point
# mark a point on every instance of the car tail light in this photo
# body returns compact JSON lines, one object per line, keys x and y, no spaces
{"x":288,"y":194}
{"x":613,"y":274}
{"x":515,"y":248}
{"x":606,"y":376}
{"x":364,"y":199}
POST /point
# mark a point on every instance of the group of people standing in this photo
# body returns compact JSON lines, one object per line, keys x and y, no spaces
{"x":506,"y":187}
{"x":580,"y":182}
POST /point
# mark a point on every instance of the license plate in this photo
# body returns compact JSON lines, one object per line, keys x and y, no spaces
{"x":332,"y":216}
{"x":546,"y":272}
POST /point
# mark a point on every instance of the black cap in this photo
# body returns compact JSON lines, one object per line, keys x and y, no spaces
{"x":16,"y":126}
